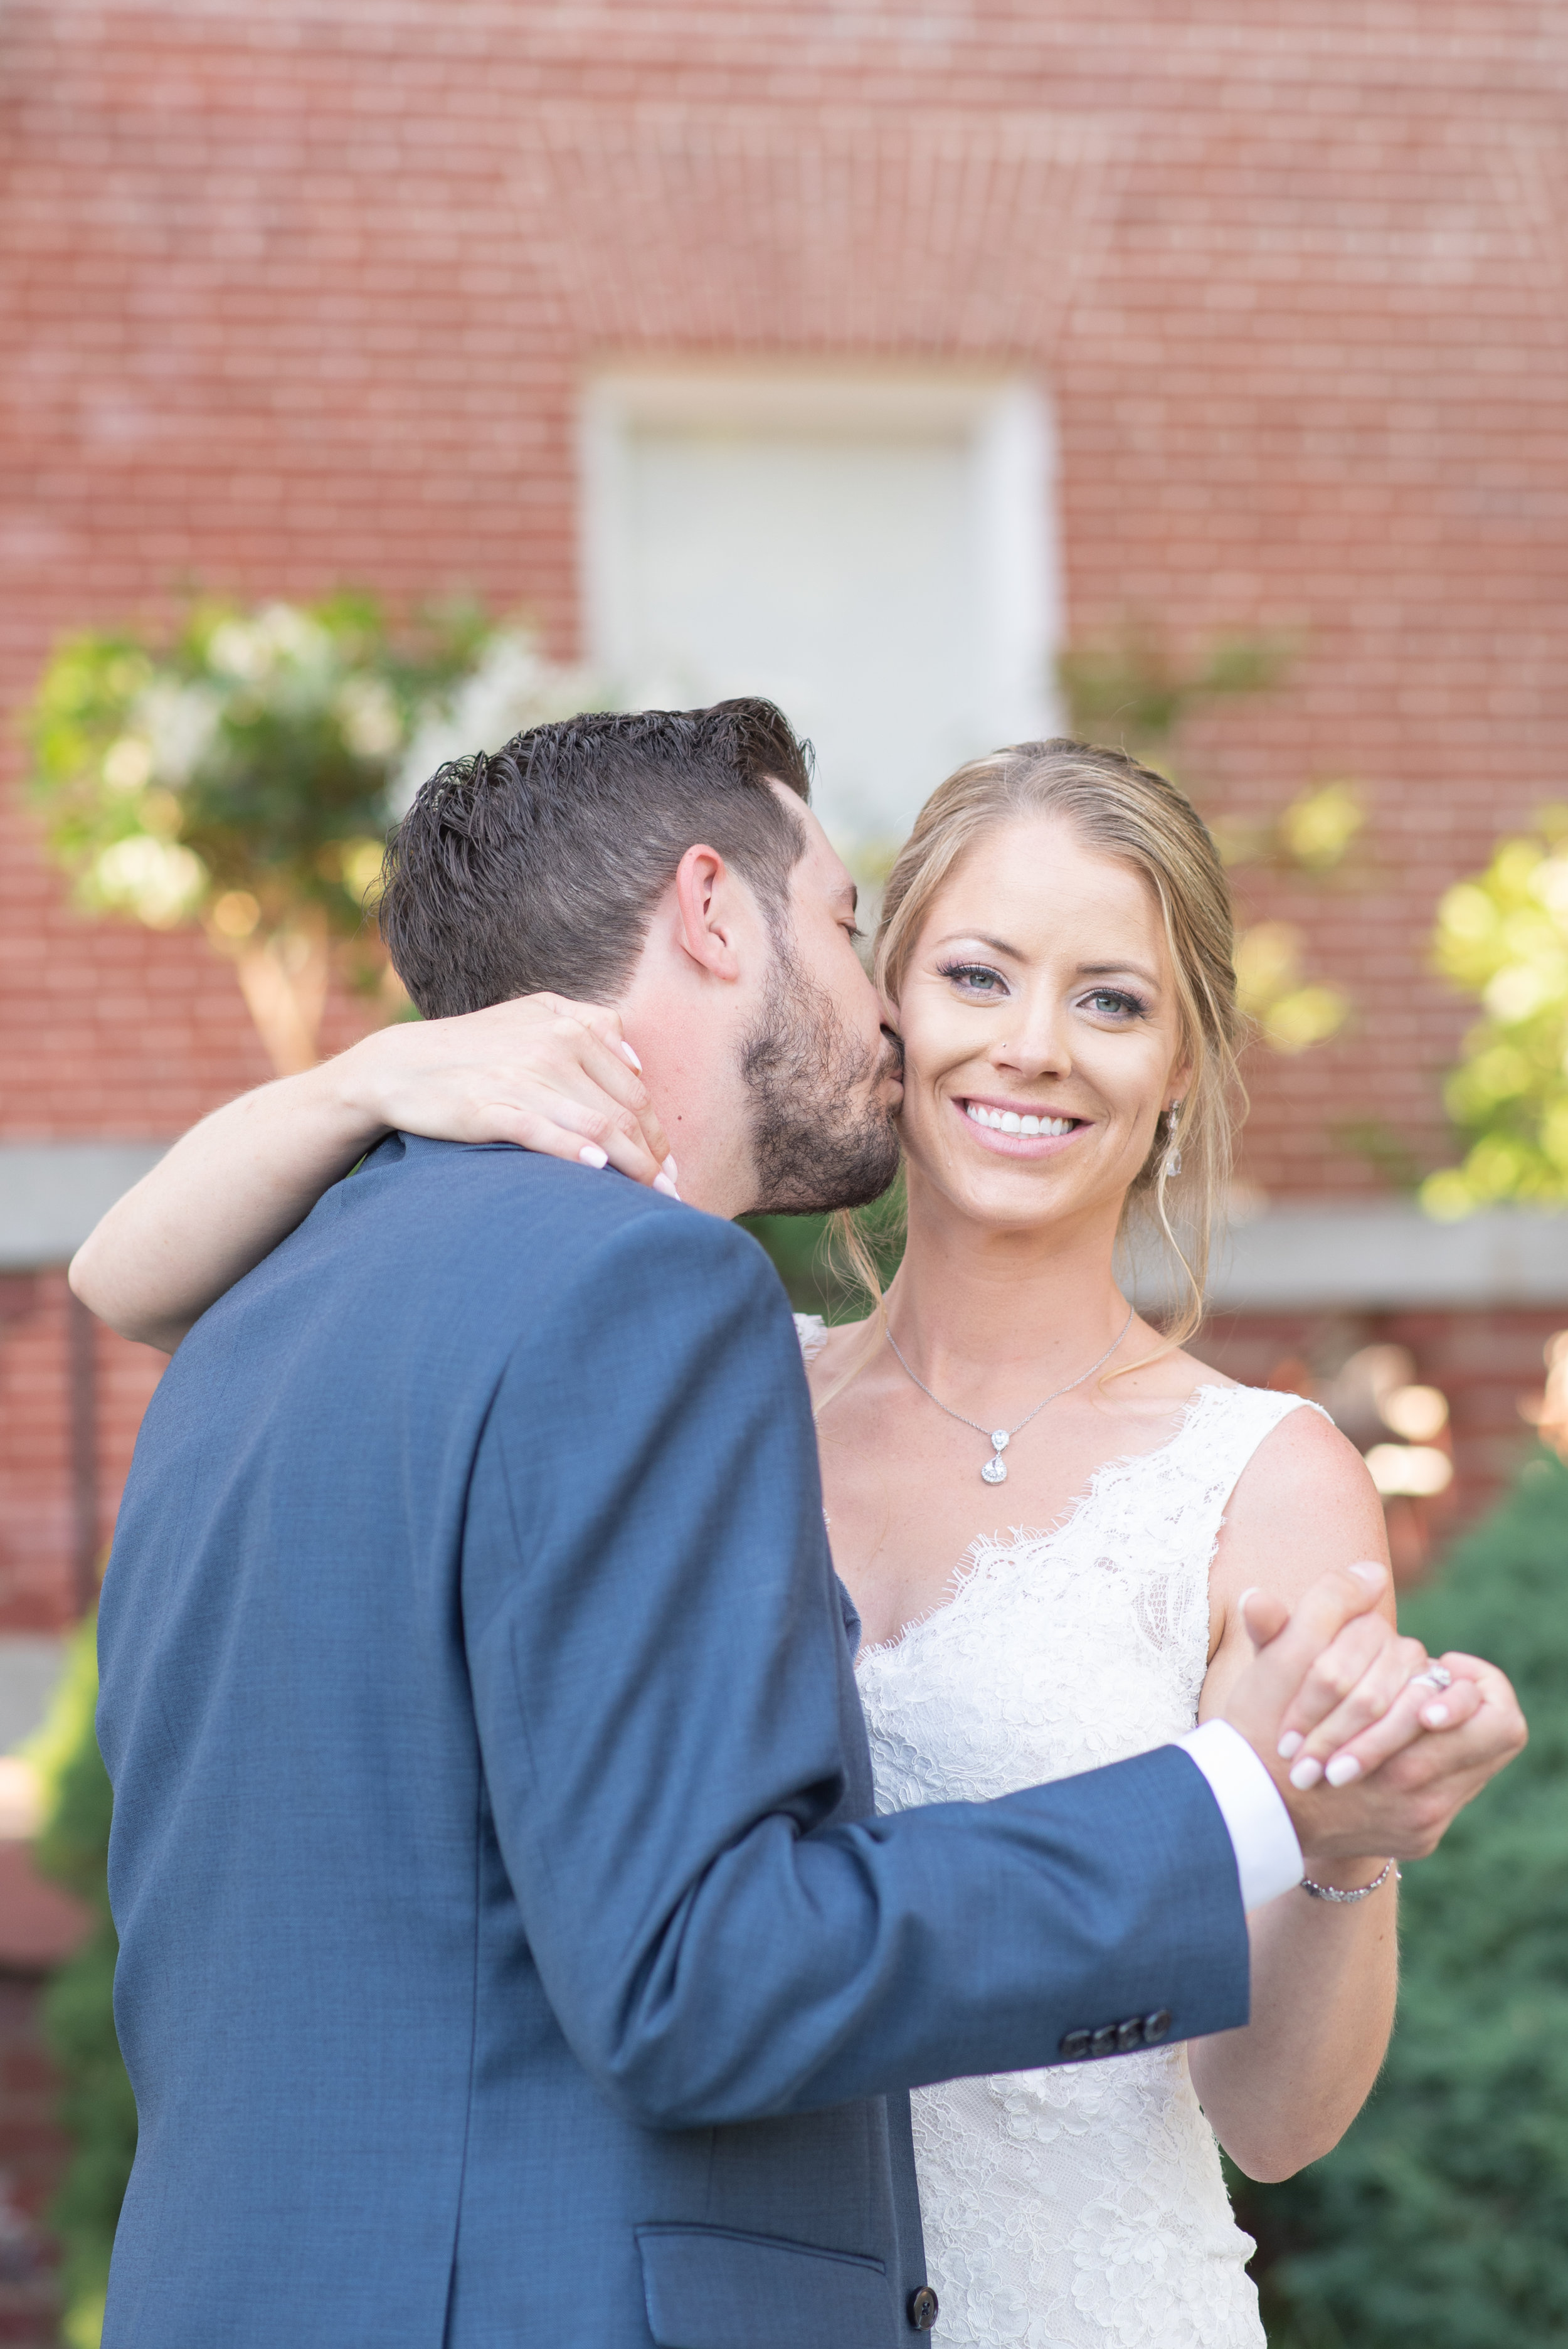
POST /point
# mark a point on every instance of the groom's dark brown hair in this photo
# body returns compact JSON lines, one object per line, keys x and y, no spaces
{"x":538,"y":866}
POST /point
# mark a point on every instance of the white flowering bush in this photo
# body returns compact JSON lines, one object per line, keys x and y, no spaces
{"x":1502,"y":937}
{"x":511,"y":685}
{"x":245,"y":777}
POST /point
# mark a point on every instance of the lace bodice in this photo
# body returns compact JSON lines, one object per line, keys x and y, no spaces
{"x":1082,"y":2207}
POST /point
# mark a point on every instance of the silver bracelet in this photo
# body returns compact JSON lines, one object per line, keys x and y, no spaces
{"x":1360,"y":1891}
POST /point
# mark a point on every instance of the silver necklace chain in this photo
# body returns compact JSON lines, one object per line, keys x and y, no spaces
{"x":995,"y":1472}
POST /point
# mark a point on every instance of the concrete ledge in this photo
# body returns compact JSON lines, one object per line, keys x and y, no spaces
{"x":1383,"y":1256}
{"x":1390,"y":1254}
{"x":53,"y":1193}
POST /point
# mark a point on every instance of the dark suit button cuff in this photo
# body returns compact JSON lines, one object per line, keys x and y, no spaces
{"x":1157,"y":2026}
{"x":1074,"y":2047}
{"x":922,"y":2309}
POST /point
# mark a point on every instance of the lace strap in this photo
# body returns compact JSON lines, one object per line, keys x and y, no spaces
{"x":1224,"y":1427}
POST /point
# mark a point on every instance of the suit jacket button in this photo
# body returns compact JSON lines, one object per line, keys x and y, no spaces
{"x":922,"y":2309}
{"x":1157,"y":2026}
{"x":1074,"y":2047}
{"x":1129,"y":2036}
{"x":1103,"y":2043}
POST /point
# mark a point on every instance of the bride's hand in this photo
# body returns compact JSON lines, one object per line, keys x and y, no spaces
{"x":1334,"y":1689}
{"x":549,"y":1075}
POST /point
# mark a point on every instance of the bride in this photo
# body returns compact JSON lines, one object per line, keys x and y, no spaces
{"x":1044,"y":1509}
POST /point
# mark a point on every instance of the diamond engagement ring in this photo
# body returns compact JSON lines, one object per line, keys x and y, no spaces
{"x":1436,"y":1676}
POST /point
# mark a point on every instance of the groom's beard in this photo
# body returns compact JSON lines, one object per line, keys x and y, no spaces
{"x":820,"y":1136}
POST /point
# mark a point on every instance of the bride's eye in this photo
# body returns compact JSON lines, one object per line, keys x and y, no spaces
{"x":1116,"y":1003}
{"x":975,"y":979}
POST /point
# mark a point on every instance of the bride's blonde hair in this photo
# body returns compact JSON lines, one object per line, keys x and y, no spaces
{"x":1128,"y":812}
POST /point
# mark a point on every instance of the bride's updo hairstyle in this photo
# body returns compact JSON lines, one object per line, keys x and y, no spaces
{"x":1121,"y":810}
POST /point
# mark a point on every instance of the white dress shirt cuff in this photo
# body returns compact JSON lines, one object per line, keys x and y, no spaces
{"x":1268,"y":1857}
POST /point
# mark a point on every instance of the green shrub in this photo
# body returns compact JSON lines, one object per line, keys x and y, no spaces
{"x":1441,"y":2221}
{"x":97,"y":2106}
{"x":811,"y":1254}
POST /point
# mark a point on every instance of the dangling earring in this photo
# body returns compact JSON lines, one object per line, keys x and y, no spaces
{"x":1172,"y":1147}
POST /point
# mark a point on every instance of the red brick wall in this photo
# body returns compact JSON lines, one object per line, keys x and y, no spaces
{"x":306,"y":292}
{"x":32,"y":2156}
{"x":38,"y":1528}
{"x":302,"y":293}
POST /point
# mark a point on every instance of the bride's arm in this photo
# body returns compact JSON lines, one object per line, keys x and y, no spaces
{"x":547,"y":1075}
{"x":1284,"y":2091}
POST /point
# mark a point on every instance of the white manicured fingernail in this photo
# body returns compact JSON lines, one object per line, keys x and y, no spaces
{"x":1342,"y":1769}
{"x":1365,"y":1571}
{"x":672,"y":1170}
{"x":662,"y":1182}
{"x":1434,"y":1716}
{"x":592,"y":1155}
{"x":1305,"y":1774}
{"x":631,"y":1056}
{"x":1290,"y":1744}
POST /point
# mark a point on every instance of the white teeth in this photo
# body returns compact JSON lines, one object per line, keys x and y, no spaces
{"x":1008,"y":1121}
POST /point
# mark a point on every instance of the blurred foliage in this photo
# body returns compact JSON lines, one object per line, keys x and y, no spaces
{"x":1502,"y":937}
{"x":816,"y":1263}
{"x":1132,"y":689}
{"x":1292,"y":1012}
{"x":96,"y":2107}
{"x":245,"y":774}
{"x":1316,"y":829}
{"x":1441,"y":2221}
{"x":1382,"y":1147}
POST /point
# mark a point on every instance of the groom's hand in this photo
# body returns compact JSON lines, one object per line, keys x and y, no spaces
{"x":1371,"y":1759}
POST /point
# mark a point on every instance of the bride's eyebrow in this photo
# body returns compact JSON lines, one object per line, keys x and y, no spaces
{"x":1119,"y":970}
{"x":979,"y":938}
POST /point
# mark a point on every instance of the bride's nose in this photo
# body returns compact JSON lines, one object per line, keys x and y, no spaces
{"x":1038,"y":1047}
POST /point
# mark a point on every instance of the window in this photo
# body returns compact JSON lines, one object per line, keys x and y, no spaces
{"x":875,"y":552}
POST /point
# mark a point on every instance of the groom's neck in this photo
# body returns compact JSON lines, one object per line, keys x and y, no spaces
{"x":691,"y":1066}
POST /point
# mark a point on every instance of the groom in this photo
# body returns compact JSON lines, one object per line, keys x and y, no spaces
{"x":508,"y":1952}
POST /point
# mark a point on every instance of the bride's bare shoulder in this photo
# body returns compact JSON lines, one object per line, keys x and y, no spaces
{"x":1305,"y":1500}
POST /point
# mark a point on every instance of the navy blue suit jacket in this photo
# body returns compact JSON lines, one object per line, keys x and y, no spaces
{"x":509,"y":1949}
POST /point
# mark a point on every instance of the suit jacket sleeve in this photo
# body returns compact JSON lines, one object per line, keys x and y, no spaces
{"x":672,"y":1743}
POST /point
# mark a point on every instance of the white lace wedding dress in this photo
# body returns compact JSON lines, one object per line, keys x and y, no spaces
{"x":1083,"y":2207}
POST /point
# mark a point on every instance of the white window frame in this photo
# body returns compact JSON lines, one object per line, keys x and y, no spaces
{"x":1003,"y":416}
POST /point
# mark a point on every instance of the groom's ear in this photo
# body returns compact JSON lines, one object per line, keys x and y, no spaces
{"x":709,"y":900}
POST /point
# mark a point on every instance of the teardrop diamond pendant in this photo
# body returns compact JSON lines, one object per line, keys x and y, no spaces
{"x":995,"y":1472}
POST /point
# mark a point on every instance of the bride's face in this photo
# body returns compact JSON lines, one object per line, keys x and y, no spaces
{"x":1040,"y":989}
